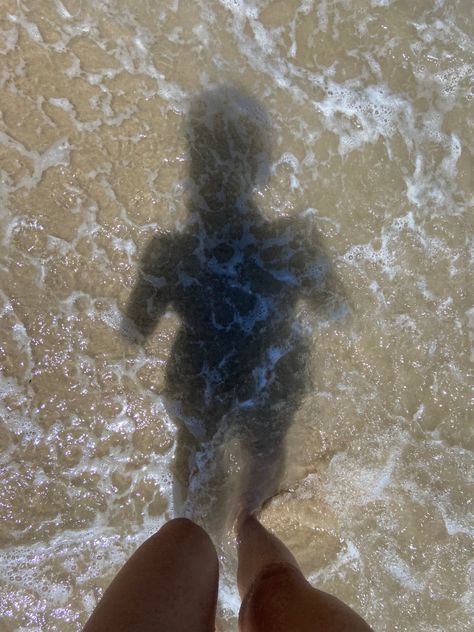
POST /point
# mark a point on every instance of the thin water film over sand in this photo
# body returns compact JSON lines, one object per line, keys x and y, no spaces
{"x":369,"y":107}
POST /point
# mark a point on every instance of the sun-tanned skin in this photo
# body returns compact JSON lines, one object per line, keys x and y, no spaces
{"x":275,"y":595}
{"x":170,"y":585}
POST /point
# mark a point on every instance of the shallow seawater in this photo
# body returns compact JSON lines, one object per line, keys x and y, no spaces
{"x":367,"y":109}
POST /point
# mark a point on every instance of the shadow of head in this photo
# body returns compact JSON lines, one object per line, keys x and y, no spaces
{"x":228,"y":135}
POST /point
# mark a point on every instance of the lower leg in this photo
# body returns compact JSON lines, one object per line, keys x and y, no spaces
{"x":169,"y":584}
{"x":275,"y":594}
{"x":258,"y":548}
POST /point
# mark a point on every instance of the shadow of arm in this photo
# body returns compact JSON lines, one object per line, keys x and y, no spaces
{"x":151,"y":294}
{"x":321,"y":286}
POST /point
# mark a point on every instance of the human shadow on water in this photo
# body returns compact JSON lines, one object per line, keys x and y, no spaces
{"x":239,"y":366}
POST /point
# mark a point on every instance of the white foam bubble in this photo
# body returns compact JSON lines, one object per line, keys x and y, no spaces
{"x":402,"y":572}
{"x":63,"y":12}
{"x":241,"y":8}
{"x":63,"y":103}
{"x":348,"y":558}
{"x":30,"y":27}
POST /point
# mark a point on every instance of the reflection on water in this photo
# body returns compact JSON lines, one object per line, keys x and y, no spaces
{"x":237,"y":369}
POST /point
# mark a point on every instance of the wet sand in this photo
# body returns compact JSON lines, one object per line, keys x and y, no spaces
{"x":368,"y":110}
